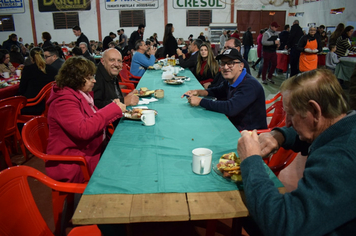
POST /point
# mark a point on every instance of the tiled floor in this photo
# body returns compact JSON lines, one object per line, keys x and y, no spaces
{"x":289,"y":177}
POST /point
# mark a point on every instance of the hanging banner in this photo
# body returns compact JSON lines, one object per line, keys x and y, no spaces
{"x":63,"y":5}
{"x":199,"y":4}
{"x":12,"y":6}
{"x":131,"y":4}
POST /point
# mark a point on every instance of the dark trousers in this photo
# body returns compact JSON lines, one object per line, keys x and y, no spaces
{"x":269,"y":57}
{"x":246,"y":51}
{"x":294,"y":61}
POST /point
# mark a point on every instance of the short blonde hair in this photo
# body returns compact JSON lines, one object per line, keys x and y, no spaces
{"x":319,"y":85}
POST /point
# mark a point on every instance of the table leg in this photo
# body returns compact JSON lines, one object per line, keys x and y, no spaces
{"x":236,"y":228}
{"x":211,"y":227}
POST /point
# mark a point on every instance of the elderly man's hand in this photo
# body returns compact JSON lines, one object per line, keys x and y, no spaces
{"x":131,"y":99}
{"x":194,"y":101}
{"x":179,"y":52}
{"x":190,"y":93}
{"x":270,"y":142}
{"x":248,"y":144}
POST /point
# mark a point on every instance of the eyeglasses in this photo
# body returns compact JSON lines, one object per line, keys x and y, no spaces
{"x":48,"y":56}
{"x":230,"y":64}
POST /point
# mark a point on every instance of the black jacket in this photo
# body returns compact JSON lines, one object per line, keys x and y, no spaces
{"x":247,"y":39}
{"x":83,"y":38}
{"x":170,"y":46}
{"x":190,"y":62}
{"x":133,"y":38}
{"x":106,"y":42}
{"x":295,"y":34}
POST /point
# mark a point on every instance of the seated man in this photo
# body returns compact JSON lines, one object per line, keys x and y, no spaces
{"x":230,"y":43}
{"x":106,"y":88}
{"x":51,"y":55}
{"x":84,"y":47}
{"x":191,"y":62}
{"x":324,"y":129}
{"x":140,"y":61}
{"x":240,"y":97}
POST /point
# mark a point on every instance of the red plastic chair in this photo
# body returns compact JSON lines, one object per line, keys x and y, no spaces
{"x":126,"y":75}
{"x":4,"y":119}
{"x":35,"y":136}
{"x":18,"y":102}
{"x":43,"y":95}
{"x":280,"y":160}
{"x":278,"y":118}
{"x":278,"y":95}
{"x":127,"y":59}
{"x":129,"y":87}
{"x":19,"y":212}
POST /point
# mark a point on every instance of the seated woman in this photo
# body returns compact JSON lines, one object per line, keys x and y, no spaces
{"x":34,"y":78}
{"x":76,"y":126}
{"x":16,"y":57}
{"x":207,"y":67}
{"x":5,"y":64}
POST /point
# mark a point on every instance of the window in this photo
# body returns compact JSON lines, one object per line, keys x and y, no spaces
{"x":198,"y":17}
{"x":65,"y":20}
{"x":7,"y":23}
{"x":132,"y":18}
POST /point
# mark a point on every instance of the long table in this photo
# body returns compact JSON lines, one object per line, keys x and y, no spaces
{"x":145,"y":173}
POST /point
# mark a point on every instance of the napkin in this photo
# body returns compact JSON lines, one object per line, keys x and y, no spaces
{"x":147,"y":101}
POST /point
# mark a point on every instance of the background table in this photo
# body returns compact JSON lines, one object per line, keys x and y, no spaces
{"x":11,"y":90}
{"x":345,"y":68}
{"x":252,"y":55}
{"x":145,"y":173}
{"x":282,"y":61}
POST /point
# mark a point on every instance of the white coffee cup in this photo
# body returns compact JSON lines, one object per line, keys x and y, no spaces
{"x":202,"y":161}
{"x":18,"y":73}
{"x":148,"y":117}
{"x":6,"y":75}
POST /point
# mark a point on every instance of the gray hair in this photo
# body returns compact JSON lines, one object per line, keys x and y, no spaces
{"x":84,"y":43}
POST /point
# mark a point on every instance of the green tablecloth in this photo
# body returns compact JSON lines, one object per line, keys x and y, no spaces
{"x":345,"y":68}
{"x":158,"y":158}
{"x":252,"y":55}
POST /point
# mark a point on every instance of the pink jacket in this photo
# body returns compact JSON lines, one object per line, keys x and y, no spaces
{"x":74,"y":129}
{"x":259,"y":45}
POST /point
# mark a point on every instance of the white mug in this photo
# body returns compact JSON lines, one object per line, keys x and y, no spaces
{"x":18,"y":73}
{"x":6,"y":75}
{"x":148,"y":117}
{"x":202,"y":161}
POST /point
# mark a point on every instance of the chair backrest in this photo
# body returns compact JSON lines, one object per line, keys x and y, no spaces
{"x":40,"y":94}
{"x":18,"y":102}
{"x":19,"y":212}
{"x":274,"y":98}
{"x":279,"y":115}
{"x":280,"y":160}
{"x":35,"y":134}
{"x":5,"y":112}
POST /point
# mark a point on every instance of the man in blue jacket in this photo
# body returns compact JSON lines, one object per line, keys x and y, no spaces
{"x":322,"y":127}
{"x":240,"y":97}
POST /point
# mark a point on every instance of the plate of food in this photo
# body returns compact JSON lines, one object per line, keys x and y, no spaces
{"x":174,"y":81}
{"x":228,"y":167}
{"x":144,"y":92}
{"x":136,"y":113}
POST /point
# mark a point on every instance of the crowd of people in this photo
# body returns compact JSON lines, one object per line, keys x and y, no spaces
{"x":87,"y":97}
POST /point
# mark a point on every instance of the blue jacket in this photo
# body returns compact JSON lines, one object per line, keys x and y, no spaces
{"x":324,"y":201}
{"x":140,"y":62}
{"x":244,"y":104}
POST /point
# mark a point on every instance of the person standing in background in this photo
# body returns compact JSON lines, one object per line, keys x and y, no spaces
{"x":136,"y":35}
{"x":169,"y":42}
{"x":337,"y":33}
{"x":296,"y":33}
{"x":223,"y":38}
{"x":283,"y":37}
{"x":343,"y":43}
{"x":270,"y":44}
{"x":81,"y":37}
{"x":247,"y":41}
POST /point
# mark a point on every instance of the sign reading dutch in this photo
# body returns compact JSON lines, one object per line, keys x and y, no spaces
{"x":63,"y":5}
{"x":199,"y":4}
{"x":12,"y":6}
{"x":131,"y":4}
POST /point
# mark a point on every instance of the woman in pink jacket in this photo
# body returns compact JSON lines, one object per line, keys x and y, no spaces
{"x":259,"y":49}
{"x":76,"y":126}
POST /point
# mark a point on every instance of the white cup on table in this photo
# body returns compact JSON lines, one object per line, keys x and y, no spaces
{"x":148,"y":117}
{"x":6,"y":75}
{"x":201,"y":164}
{"x":18,"y":73}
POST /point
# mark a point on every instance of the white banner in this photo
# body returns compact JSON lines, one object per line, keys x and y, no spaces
{"x":199,"y":4}
{"x":131,"y":4}
{"x":12,"y":6}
